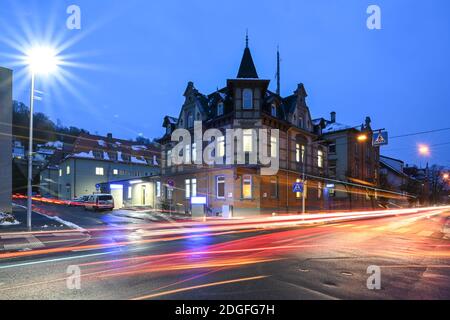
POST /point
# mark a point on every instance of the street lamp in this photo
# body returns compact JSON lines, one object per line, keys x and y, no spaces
{"x":424,"y":150}
{"x":40,"y":60}
{"x":362,"y":137}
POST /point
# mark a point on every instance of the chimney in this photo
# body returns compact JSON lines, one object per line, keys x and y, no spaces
{"x":109,"y":136}
{"x":333,"y":117}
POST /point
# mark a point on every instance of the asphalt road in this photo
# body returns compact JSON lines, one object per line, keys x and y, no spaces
{"x":200,"y":261}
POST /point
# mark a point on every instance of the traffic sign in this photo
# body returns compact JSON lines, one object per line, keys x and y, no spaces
{"x":380,"y":138}
{"x":171,"y":183}
{"x":298,"y":187}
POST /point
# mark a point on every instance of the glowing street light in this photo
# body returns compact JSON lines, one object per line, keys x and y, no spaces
{"x":424,"y":150}
{"x":362,"y":138}
{"x":446,"y":176}
{"x":40,"y":60}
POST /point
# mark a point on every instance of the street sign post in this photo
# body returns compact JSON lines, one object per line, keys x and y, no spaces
{"x":298,"y":187}
{"x":380,"y":138}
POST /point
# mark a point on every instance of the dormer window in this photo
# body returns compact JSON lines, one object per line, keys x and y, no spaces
{"x":190,"y":120}
{"x":300,"y":122}
{"x":220,"y":109}
{"x":273,"y":111}
{"x":247,"y":97}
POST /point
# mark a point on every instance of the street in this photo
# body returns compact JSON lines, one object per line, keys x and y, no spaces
{"x":267,"y":258}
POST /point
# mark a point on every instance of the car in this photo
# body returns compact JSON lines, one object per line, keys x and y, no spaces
{"x":97,"y":202}
{"x":78,"y":201}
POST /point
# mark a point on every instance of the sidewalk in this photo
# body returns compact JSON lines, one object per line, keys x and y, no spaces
{"x":40,"y":222}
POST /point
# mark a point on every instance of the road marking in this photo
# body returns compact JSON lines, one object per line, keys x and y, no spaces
{"x":33,"y":243}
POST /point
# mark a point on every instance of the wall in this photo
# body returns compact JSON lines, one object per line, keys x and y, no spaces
{"x":5,"y":139}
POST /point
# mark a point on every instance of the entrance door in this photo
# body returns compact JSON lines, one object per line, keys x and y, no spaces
{"x":117,"y":194}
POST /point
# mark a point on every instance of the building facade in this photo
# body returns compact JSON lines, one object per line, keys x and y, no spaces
{"x":246,"y":103}
{"x":96,"y":159}
{"x":353,"y":164}
{"x":5,"y":139}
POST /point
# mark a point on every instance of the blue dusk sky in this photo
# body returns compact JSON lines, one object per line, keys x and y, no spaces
{"x":129,"y":64}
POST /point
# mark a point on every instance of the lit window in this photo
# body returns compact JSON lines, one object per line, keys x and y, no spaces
{"x":220,"y":187}
{"x":68,"y":170}
{"x":273,"y":110}
{"x":158,"y":189}
{"x":194,"y":152}
{"x":99,"y":171}
{"x":194,"y":187}
{"x":130,"y":192}
{"x":273,"y":147}
{"x":320,"y":158}
{"x":220,"y":109}
{"x":221,"y":146}
{"x":248,"y":140}
{"x":187,"y":186}
{"x":297,"y":152}
{"x":115,"y":172}
{"x":60,"y":172}
{"x":247,"y":97}
{"x":247,"y":187}
{"x":319,"y":190}
{"x":303,"y":153}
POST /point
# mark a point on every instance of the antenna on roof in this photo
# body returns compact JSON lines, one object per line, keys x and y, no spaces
{"x":246,"y":38}
{"x":278,"y":71}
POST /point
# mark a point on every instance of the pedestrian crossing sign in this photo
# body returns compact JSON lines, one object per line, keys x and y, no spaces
{"x":298,"y":187}
{"x":380,"y":138}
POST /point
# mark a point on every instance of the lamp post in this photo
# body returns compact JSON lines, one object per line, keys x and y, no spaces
{"x":41,"y":60}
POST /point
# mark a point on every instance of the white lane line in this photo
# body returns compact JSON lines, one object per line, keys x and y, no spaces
{"x":33,"y":243}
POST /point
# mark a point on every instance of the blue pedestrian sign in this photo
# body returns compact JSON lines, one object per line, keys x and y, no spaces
{"x":298,"y":187}
{"x":380,"y":138}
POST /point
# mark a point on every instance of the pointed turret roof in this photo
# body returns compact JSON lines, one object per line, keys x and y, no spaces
{"x":247,"y":68}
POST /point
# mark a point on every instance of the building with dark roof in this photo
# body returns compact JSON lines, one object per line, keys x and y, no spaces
{"x":246,"y":103}
{"x":5,"y":139}
{"x":92,"y":160}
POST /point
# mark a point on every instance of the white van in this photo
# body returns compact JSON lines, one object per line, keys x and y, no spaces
{"x":99,"y":202}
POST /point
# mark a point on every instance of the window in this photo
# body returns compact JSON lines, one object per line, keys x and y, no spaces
{"x":247,"y":187}
{"x":248,"y":140}
{"x":332,"y":168}
{"x":247,"y":97}
{"x":303,"y":153}
{"x":220,"y":109}
{"x":60,"y":172}
{"x":187,"y":188}
{"x":169,"y":158}
{"x":319,"y":190}
{"x":190,"y":120}
{"x":194,"y":187}
{"x":68,"y":170}
{"x":274,"y":187}
{"x":99,"y":171}
{"x":220,"y":187}
{"x":300,"y":122}
{"x":194,"y":152}
{"x":332,"y":148}
{"x":273,"y":147}
{"x":188,"y":154}
{"x":273,"y":110}
{"x":158,"y":189}
{"x":297,"y":152}
{"x":221,"y":146}
{"x":130,"y":193}
{"x":320,"y":158}
{"x":169,"y":193}
{"x":115,"y":172}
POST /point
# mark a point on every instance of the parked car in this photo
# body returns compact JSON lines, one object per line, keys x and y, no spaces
{"x":98,"y":202}
{"x":78,"y":201}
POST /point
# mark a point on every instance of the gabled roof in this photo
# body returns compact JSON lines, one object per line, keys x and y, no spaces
{"x":247,"y":68}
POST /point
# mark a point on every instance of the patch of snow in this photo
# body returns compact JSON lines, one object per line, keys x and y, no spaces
{"x":138,"y":148}
{"x":86,"y":155}
{"x":63,"y":222}
{"x":7,"y":219}
{"x":105,"y":155}
{"x":119,"y":156}
{"x":101,"y":143}
{"x":155,"y":161}
{"x":55,"y":144}
{"x":139,"y":160}
{"x":334,"y":127}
